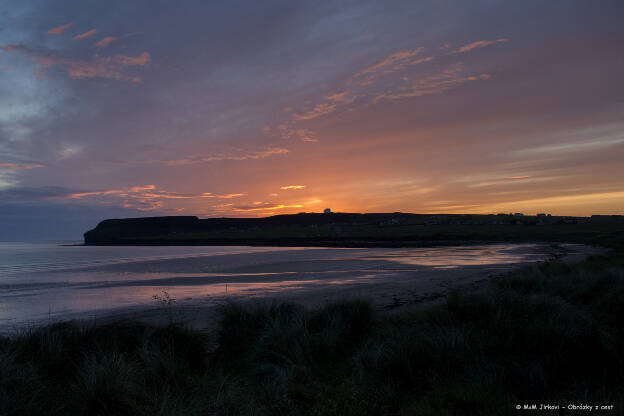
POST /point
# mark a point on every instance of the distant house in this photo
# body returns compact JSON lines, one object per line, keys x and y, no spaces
{"x":518,"y":214}
{"x":541,"y":215}
{"x":327,"y":211}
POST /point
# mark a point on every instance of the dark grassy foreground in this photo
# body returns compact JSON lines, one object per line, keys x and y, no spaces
{"x":550,"y":334}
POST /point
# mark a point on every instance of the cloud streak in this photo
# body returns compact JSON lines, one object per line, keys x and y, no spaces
{"x":143,"y":198}
{"x":479,"y":44}
{"x":265,"y":206}
{"x":196,"y":159}
{"x":59,"y":29}
{"x":20,"y":166}
{"x":85,"y":34}
{"x":105,"y":42}
{"x":292,"y":187}
{"x":446,"y":79}
{"x":375,"y":83}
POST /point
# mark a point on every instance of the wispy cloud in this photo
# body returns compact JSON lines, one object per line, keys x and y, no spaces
{"x":398,"y":75}
{"x":85,"y":34}
{"x":229,"y":196}
{"x":318,"y":110}
{"x":446,"y":79}
{"x":265,"y":206}
{"x":588,"y":200}
{"x":287,"y":132}
{"x":479,"y":44}
{"x":392,"y":63}
{"x":292,"y":187}
{"x":195,"y":159}
{"x":574,"y":146}
{"x":104,"y":42}
{"x":59,"y":29}
{"x":144,"y":198}
{"x":110,"y":67}
{"x":20,"y":166}
{"x":142,"y":59}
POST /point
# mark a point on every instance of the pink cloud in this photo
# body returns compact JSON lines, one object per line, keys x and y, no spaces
{"x":10,"y":48}
{"x":318,"y":110}
{"x":85,"y":34}
{"x":391,"y":61}
{"x":143,"y":198}
{"x":59,"y":29}
{"x":438,"y":83}
{"x":104,"y":42}
{"x":124,"y":60}
{"x":479,"y":44}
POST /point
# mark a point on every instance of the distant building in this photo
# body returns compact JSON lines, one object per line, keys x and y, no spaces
{"x":541,"y":215}
{"x":327,"y":211}
{"x":518,"y":214}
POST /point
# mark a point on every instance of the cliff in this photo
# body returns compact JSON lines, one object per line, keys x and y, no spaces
{"x":344,"y":229}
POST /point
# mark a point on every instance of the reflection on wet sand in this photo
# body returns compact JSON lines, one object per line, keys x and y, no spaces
{"x":86,"y":287}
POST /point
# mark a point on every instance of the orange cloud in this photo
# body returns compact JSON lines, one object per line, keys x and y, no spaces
{"x":317,"y":111}
{"x":85,"y":34}
{"x":17,"y":166}
{"x":479,"y":44}
{"x":292,"y":187}
{"x":577,"y":204}
{"x":104,"y":42}
{"x":228,"y":196}
{"x":59,"y":29}
{"x":266,"y":206}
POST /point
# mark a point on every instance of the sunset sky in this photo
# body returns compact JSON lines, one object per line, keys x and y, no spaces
{"x":254,"y":108}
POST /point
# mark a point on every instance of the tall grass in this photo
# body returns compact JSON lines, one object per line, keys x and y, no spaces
{"x":552,"y":333}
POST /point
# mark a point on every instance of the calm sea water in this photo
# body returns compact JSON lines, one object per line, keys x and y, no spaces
{"x":48,"y":281}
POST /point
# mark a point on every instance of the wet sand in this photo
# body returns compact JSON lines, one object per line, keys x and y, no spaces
{"x":394,"y":279}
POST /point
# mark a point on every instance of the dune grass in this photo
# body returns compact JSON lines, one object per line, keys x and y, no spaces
{"x":548,"y":334}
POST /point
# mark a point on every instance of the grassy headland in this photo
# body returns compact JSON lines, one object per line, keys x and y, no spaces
{"x":347,"y":229}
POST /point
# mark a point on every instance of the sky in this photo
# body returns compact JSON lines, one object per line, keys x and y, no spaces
{"x":246,"y":108}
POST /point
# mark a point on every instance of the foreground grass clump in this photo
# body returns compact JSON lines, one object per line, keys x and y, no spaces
{"x":549,"y":334}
